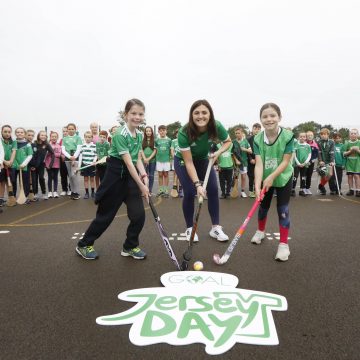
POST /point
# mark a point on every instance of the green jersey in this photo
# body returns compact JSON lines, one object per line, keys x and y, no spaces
{"x":339,"y":155}
{"x":124,"y":143}
{"x":225,"y":159}
{"x":352,"y":160}
{"x":23,"y":151}
{"x":272,"y":154}
{"x":9,"y":147}
{"x":244,"y":155}
{"x":175,"y":145}
{"x":162,"y":146}
{"x":70,"y":143}
{"x":302,"y":153}
{"x":148,"y":152}
{"x":102,"y":149}
{"x":199,"y":148}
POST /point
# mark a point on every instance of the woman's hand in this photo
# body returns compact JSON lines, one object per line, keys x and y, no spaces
{"x":200,"y":191}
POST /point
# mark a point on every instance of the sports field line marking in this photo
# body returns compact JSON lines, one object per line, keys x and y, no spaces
{"x":4,"y":231}
{"x":40,"y":212}
{"x":15,"y":223}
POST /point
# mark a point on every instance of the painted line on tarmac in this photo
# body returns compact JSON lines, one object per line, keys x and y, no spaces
{"x":4,"y":231}
{"x":16,"y":223}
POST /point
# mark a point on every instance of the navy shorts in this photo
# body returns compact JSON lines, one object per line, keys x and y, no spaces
{"x":90,"y":171}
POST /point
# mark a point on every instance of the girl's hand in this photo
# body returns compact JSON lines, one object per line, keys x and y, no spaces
{"x":6,"y":163}
{"x":215,"y":155}
{"x":268,"y":182}
{"x":146,"y":162}
{"x":257,"y":193}
{"x":145,"y":191}
{"x":200,"y":191}
{"x":72,"y":158}
{"x":252,"y":161}
{"x":21,"y":166}
{"x":321,"y":163}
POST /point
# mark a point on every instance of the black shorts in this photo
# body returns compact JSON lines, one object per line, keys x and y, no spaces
{"x":3,"y":175}
{"x":90,"y":171}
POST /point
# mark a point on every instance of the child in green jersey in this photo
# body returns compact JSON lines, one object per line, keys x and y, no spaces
{"x":102,"y":149}
{"x":273,"y":150}
{"x":352,"y":155}
{"x":173,"y":149}
{"x":9,"y":147}
{"x":226,"y":167}
{"x":339,"y":166}
{"x":302,"y":157}
{"x":149,"y":155}
{"x":71,"y":147}
{"x":126,"y":181}
{"x":163,"y":144}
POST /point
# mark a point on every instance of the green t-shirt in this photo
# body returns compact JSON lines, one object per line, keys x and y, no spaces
{"x":200,"y":148}
{"x":22,"y":152}
{"x":70,"y":143}
{"x":339,"y":155}
{"x":225,"y":159}
{"x":124,"y":143}
{"x":244,"y":155}
{"x":102,"y":150}
{"x":353,"y":160}
{"x":272,"y":154}
{"x":9,"y":147}
{"x":148,"y":152}
{"x":175,"y":145}
{"x":302,"y":151}
{"x":162,"y":146}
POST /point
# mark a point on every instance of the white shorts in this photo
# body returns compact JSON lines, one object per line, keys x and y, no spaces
{"x":162,"y":166}
{"x":244,"y":170}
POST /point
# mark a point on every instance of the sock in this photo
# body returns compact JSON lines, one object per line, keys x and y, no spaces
{"x":87,"y":190}
{"x":284,"y":232}
{"x":323,"y":181}
{"x":92,"y":190}
{"x":261,"y":224}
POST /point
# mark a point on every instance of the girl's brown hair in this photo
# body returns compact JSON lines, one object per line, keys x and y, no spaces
{"x":272,"y":106}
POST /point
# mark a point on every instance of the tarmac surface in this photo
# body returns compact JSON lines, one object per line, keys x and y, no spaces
{"x":50,"y":297}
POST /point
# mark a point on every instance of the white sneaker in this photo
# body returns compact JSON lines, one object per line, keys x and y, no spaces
{"x":217,"y":233}
{"x":69,"y":193}
{"x":188,"y":234}
{"x":45,"y":197}
{"x":283,"y":252}
{"x":258,"y":236}
{"x":55,"y":194}
{"x":63,"y":193}
{"x":50,"y":194}
{"x":308,"y":192}
{"x":243,"y":194}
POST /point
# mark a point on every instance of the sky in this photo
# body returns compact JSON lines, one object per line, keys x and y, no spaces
{"x":80,"y":61}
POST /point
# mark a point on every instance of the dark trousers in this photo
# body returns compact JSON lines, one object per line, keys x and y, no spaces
{"x":309,"y":173}
{"x":63,"y":176}
{"x":100,"y":171}
{"x":25,"y":178}
{"x":225,"y":179}
{"x":53,"y":179}
{"x":282,"y":193}
{"x":332,"y":181}
{"x":38,"y":177}
{"x":150,"y":170}
{"x":302,"y":171}
{"x":251,"y":176}
{"x":117,"y":187}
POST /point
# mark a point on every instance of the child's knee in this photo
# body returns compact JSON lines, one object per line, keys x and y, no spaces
{"x":284,"y":218}
{"x":262,"y":213}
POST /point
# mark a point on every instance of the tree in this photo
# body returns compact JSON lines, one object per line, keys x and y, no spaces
{"x":344,"y":132}
{"x":231,"y":130}
{"x":307,"y":126}
{"x":172,"y":127}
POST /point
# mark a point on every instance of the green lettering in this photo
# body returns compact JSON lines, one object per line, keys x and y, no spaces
{"x":183,"y":306}
{"x":221,"y":305}
{"x":186,"y":325}
{"x":169,"y":324}
{"x":165,"y":300}
{"x":230,"y":326}
{"x":251,"y":311}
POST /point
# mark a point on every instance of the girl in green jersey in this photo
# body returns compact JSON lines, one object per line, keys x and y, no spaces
{"x":352,"y":155}
{"x":273,"y":150}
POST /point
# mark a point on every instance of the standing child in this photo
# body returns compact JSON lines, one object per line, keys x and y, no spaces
{"x":191,"y":162}
{"x":245,"y":151}
{"x":102,"y":150}
{"x":87,"y":157}
{"x":94,"y":128}
{"x":63,"y":169}
{"x":256,"y":128}
{"x":125,"y":181}
{"x":314,"y":155}
{"x":71,"y":147}
{"x":339,"y":166}
{"x":226,"y":167}
{"x":23,"y":156}
{"x":273,"y":149}
{"x":52,"y":164}
{"x":40,"y":148}
{"x":302,"y":160}
{"x":173,"y":149}
{"x":326,"y":159}
{"x":352,"y":155}
{"x":10,"y":148}
{"x":149,"y":155}
{"x":163,"y":145}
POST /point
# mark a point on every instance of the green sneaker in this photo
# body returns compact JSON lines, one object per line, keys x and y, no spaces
{"x":136,"y":253}
{"x":252,"y":194}
{"x":87,"y":252}
{"x":160,"y":193}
